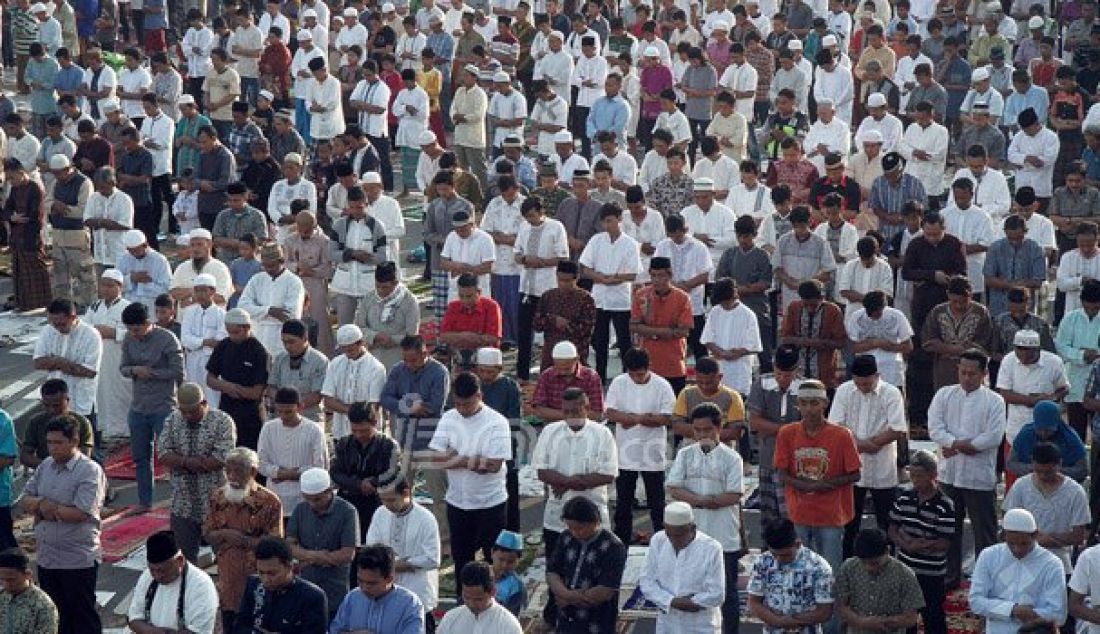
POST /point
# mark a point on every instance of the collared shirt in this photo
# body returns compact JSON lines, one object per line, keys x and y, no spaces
{"x":258,"y":515}
{"x":107,"y":243}
{"x":990,"y":192}
{"x":1008,"y":261}
{"x":588,"y":450}
{"x":689,"y":259}
{"x":300,"y":606}
{"x":696,"y":571}
{"x":1059,"y":511}
{"x":414,"y":537}
{"x":551,"y":386}
{"x":299,"y":447}
{"x":373,"y":94}
{"x":79,"y":483}
{"x":152,"y":263}
{"x":160,"y":129}
{"x":867,"y":415}
{"x":856,"y":276}
{"x":609,"y":114}
{"x":548,"y":240}
{"x":734,"y":329}
{"x":802,"y":259}
{"x":333,"y":529}
{"x":641,"y":448}
{"x":503,"y":217}
{"x":792,"y":588}
{"x":670,"y":194}
{"x":892,"y":590}
{"x":486,"y":434}
{"x":1001,"y":581}
{"x":398,"y":611}
{"x":1045,"y":146}
{"x":214,"y":437}
{"x":611,"y":257}
{"x":707,"y":473}
{"x":353,"y":381}
{"x":1077,"y":333}
{"x":30,"y":611}
{"x":234,"y":224}
{"x":306,"y":373}
{"x":933,"y":518}
{"x":890,"y":198}
{"x":978,"y":417}
{"x":934,"y":141}
{"x":496,"y":619}
{"x":200,"y":602}
{"x":893,"y":326}
{"x":472,"y":103}
{"x":1070,"y":204}
{"x":972,"y":226}
{"x":475,"y":249}
{"x":582,"y":565}
{"x":82,"y":346}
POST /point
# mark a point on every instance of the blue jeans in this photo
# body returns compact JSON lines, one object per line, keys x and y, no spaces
{"x":301,"y":120}
{"x":144,"y":429}
{"x":250,"y":89}
{"x":827,"y":541}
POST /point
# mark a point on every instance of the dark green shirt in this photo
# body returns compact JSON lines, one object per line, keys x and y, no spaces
{"x":34,"y":438}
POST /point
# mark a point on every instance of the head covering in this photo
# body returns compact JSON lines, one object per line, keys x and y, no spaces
{"x":1035,"y":22}
{"x":473,"y":70}
{"x":309,"y":13}
{"x":372,"y":178}
{"x":1047,"y":416}
{"x":872,"y":136}
{"x":266,"y":94}
{"x":557,"y":35}
{"x":315,"y":481}
{"x":1019,"y":521}
{"x":812,"y":388}
{"x":200,"y":233}
{"x":348,"y":334}
{"x":114,"y":275}
{"x":795,"y":45}
{"x":161,"y":546}
{"x":581,"y":173}
{"x":427,"y":137}
{"x":679,"y":514}
{"x":388,"y":7}
{"x":293,"y":157}
{"x":109,"y":105}
{"x":1026,"y":339}
{"x":489,"y":356}
{"x":501,"y":77}
{"x":509,"y":540}
{"x":512,"y":141}
{"x":864,"y":365}
{"x":660,"y":263}
{"x":876,"y":100}
{"x":485,"y":75}
{"x":651,"y":51}
{"x":979,"y":74}
{"x":204,"y":279}
{"x":981,"y":107}
{"x":461,"y":219}
{"x":237,"y":317}
{"x":564,"y":350}
{"x":59,"y":162}
{"x":190,"y":395}
{"x":1027,"y":117}
{"x":720,"y":25}
{"x":563,"y":136}
{"x":305,"y":34}
{"x":829,"y":40}
{"x":133,"y":239}
{"x":892,"y":161}
{"x":38,"y":7}
{"x":185,"y":100}
{"x":703,"y":184}
{"x":350,"y":13}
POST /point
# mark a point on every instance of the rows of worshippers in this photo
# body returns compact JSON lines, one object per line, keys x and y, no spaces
{"x":866,"y":280}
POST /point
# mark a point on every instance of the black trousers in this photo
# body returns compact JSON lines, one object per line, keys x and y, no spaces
{"x":550,"y":610}
{"x":472,"y":531}
{"x":645,"y":132}
{"x":981,"y":506}
{"x":694,"y":347}
{"x":698,"y":131}
{"x":731,"y":607}
{"x":147,"y":218}
{"x":207,"y":221}
{"x":7,"y":529}
{"x":194,"y":88}
{"x":511,"y":484}
{"x":578,"y":116}
{"x":602,"y":336}
{"x":931,"y":586}
{"x":528,"y":304}
{"x":884,"y":501}
{"x":385,"y":166}
{"x":624,"y":504}
{"x":73,"y":592}
{"x":163,"y":196}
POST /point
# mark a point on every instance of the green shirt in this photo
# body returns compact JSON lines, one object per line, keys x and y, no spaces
{"x":892,"y":591}
{"x":34,"y":438}
{"x":31,"y":612}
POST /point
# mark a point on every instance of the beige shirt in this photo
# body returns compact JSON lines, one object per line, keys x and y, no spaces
{"x":472,"y":103}
{"x":218,"y":86}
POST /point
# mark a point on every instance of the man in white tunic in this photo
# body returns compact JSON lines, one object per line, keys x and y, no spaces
{"x":990,"y":186}
{"x":828,"y":135}
{"x":710,"y":222}
{"x":201,"y":244}
{"x":973,"y":226}
{"x":114,"y":391}
{"x":549,"y":115}
{"x":146,"y":272}
{"x":272,"y":297}
{"x":732,"y":336}
{"x":70,"y":349}
{"x":387,"y":211}
{"x":413,"y":534}
{"x":325,"y":103}
{"x":287,"y":190}
{"x":924,"y":147}
{"x":1028,"y":375}
{"x":289,"y":446}
{"x":1018,"y":582}
{"x":468,"y":249}
{"x":1034,"y":151}
{"x":172,"y":592}
{"x":684,"y":575}
{"x":109,"y":214}
{"x":874,"y":411}
{"x":359,"y":247}
{"x":202,"y":326}
{"x":355,"y":376}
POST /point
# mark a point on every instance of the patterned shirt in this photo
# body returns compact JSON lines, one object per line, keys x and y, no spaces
{"x":578,"y":306}
{"x":582,"y":565}
{"x":259,"y":515}
{"x":933,"y":518}
{"x":793,"y":588}
{"x":891,"y":591}
{"x":29,"y":612}
{"x":671,"y":195}
{"x":214,"y":437}
{"x":240,"y":141}
{"x":763,"y":61}
{"x":551,"y":386}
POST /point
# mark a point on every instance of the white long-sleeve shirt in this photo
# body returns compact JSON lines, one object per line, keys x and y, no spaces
{"x":198,"y":62}
{"x":973,"y":226}
{"x":261,"y":294}
{"x":724,"y":172}
{"x":717,"y":224}
{"x":696,"y":571}
{"x":1073,"y":268}
{"x":867,"y":414}
{"x":1044,"y":145}
{"x":588,"y":450}
{"x":282,"y":194}
{"x":107,"y":243}
{"x":835,"y":135}
{"x":934,"y":140}
{"x":414,"y":538}
{"x":904,"y":73}
{"x":1001,"y":581}
{"x":734,"y":329}
{"x":281,"y":447}
{"x":300,"y":63}
{"x":556,"y":69}
{"x":889,"y":127}
{"x":592,"y":69}
{"x":353,"y":381}
{"x":977,"y":416}
{"x":836,"y":86}
{"x":409,"y":126}
{"x":990,"y":192}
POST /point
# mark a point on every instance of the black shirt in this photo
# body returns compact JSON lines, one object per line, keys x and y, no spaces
{"x":352,"y":463}
{"x":245,"y":364}
{"x":299,"y":608}
{"x":597,"y":562}
{"x":260,"y":178}
{"x":848,"y":189}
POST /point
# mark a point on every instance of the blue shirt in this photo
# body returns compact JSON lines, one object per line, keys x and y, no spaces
{"x":8,"y":449}
{"x":428,"y":385}
{"x":157,"y":19}
{"x":611,"y":114}
{"x":1025,"y":262}
{"x":444,"y":47}
{"x":43,"y":101}
{"x":398,"y":612}
{"x":1077,"y":333}
{"x":240,"y":271}
{"x":1016,"y":103}
{"x":511,"y":593}
{"x":1092,"y":164}
{"x":69,"y":79}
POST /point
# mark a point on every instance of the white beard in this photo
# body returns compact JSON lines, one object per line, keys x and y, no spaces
{"x":234,"y":495}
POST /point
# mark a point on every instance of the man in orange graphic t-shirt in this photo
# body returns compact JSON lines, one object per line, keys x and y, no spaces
{"x":818,"y":463}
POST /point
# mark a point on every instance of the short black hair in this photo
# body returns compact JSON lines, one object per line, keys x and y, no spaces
{"x":870,"y":543}
{"x":135,"y":314}
{"x":54,"y":386}
{"x":64,"y":424}
{"x":477,"y":574}
{"x":466,"y":385}
{"x":780,"y":534}
{"x":274,"y":548}
{"x":288,"y":395}
{"x":977,"y":356}
{"x":362,"y":413}
{"x":581,"y":509}
{"x":725,"y":288}
{"x":709,"y":411}
{"x":1046,"y":453}
{"x":636,"y":359}
{"x":164,"y":300}
{"x":61,"y":306}
{"x":15,"y":559}
{"x":378,"y":557}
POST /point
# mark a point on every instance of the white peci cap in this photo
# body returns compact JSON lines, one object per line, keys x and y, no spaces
{"x":59,"y":162}
{"x":679,"y":514}
{"x":876,"y":100}
{"x":372,"y":178}
{"x":348,"y":334}
{"x":204,"y":279}
{"x":564,"y":350}
{"x":489,"y":356}
{"x":133,"y":239}
{"x":1015,"y":521}
{"x":237,"y":317}
{"x":979,"y":74}
{"x":113,"y":274}
{"x":305,"y":35}
{"x":315,"y":481}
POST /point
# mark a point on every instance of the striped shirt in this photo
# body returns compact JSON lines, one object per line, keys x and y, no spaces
{"x":930,"y":519}
{"x":887,"y":197}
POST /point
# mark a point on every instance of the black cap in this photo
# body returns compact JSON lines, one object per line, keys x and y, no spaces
{"x":160,"y":547}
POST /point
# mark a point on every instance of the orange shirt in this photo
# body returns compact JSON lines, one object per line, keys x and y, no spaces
{"x":830,"y":453}
{"x":666,"y":356}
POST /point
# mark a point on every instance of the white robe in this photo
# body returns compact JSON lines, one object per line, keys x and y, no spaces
{"x":196,"y":324}
{"x":353,"y":381}
{"x":696,"y":571}
{"x":114,"y":392}
{"x":264,"y":293}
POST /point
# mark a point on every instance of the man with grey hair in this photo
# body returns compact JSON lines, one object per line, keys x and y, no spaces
{"x":194,"y":445}
{"x":922,"y":525}
{"x":241,"y":512}
{"x":828,"y":135}
{"x":109,"y":214}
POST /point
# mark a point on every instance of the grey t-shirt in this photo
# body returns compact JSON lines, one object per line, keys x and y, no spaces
{"x":338,"y":528}
{"x":161,"y":352}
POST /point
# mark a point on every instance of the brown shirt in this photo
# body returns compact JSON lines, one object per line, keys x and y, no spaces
{"x":259,"y":515}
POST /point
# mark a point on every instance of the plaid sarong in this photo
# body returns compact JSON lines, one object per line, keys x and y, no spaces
{"x":441,"y":286}
{"x":773,"y":501}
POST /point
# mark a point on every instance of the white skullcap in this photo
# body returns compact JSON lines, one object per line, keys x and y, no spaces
{"x":315,"y":481}
{"x":1026,"y":339}
{"x":133,"y":238}
{"x":502,"y":77}
{"x":679,"y":514}
{"x":204,"y":279}
{"x":564,"y":350}
{"x":388,"y":7}
{"x":348,"y":334}
{"x":651,"y":51}
{"x":350,"y":13}
{"x":876,"y":100}
{"x":795,"y":45}
{"x":293,"y":157}
{"x":872,"y":136}
{"x":266,"y":94}
{"x":109,"y":105}
{"x":829,"y":40}
{"x":38,"y":7}
{"x":1015,"y":520}
{"x":309,"y":13}
{"x":563,"y":136}
{"x":59,"y":162}
{"x":427,"y":137}
{"x":980,"y":74}
{"x":703,"y":184}
{"x":372,"y":178}
{"x":185,"y":100}
{"x":200,"y":234}
{"x":113,"y":274}
{"x":1035,"y":22}
{"x":305,"y":34}
{"x":237,"y":317}
{"x":489,"y":356}
{"x":556,"y":35}
{"x":721,"y":25}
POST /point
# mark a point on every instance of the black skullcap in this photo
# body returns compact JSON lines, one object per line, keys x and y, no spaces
{"x":660,"y":263}
{"x":568,"y":268}
{"x":160,"y":547}
{"x":892,"y":161}
{"x":1027,"y":117}
{"x":864,"y":365}
{"x":240,"y":106}
{"x":786,"y":357}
